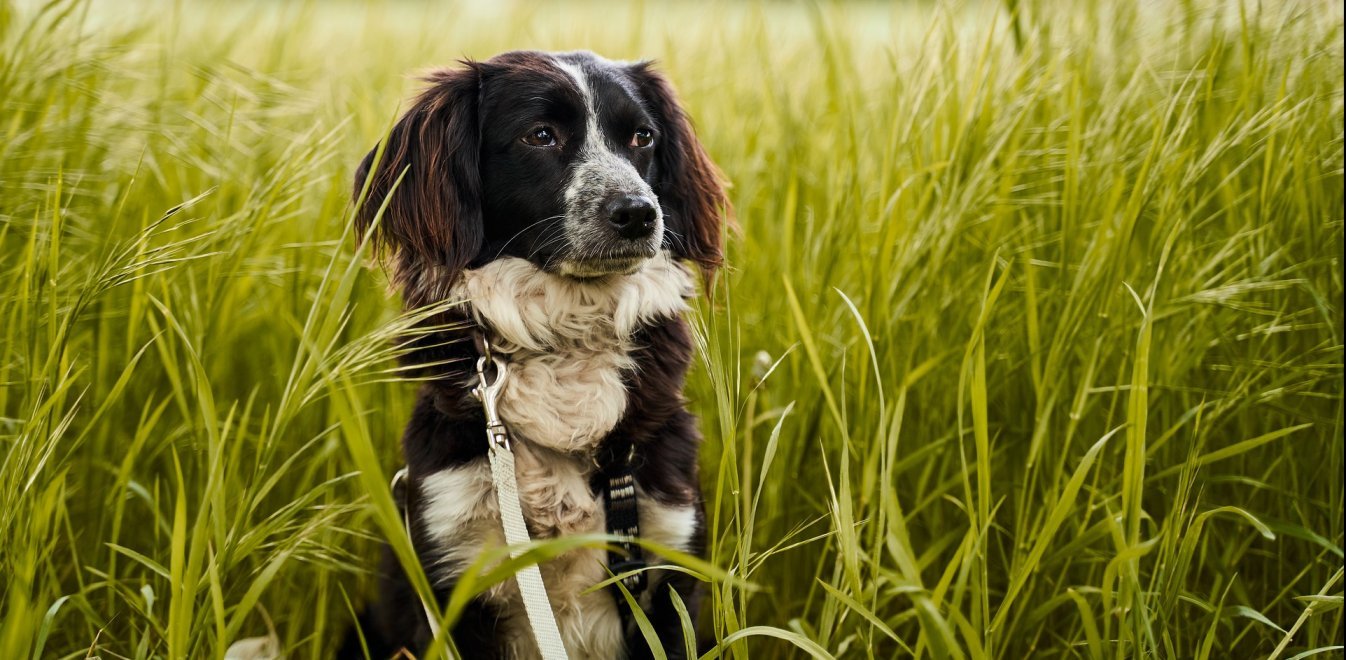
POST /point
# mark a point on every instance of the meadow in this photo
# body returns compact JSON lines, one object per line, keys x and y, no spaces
{"x":1030,"y":343}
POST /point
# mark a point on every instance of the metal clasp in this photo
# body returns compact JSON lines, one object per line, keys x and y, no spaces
{"x":488,"y":393}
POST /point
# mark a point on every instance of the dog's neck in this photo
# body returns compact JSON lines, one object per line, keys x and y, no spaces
{"x":568,"y":341}
{"x":528,"y":310}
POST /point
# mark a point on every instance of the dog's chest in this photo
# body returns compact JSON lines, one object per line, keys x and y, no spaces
{"x":568,"y":342}
{"x":567,"y":346}
{"x":567,"y":399}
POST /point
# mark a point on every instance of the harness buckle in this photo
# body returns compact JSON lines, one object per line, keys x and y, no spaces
{"x":635,"y":582}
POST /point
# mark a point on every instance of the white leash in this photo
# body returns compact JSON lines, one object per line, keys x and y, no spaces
{"x":540,"y":614}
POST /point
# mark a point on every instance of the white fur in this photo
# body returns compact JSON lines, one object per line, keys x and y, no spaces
{"x":665,"y":524}
{"x":567,"y":343}
{"x":459,"y":511}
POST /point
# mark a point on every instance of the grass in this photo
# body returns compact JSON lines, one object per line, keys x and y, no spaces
{"x":1031,"y":344}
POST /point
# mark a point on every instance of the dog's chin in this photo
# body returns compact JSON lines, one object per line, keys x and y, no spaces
{"x":588,"y":269}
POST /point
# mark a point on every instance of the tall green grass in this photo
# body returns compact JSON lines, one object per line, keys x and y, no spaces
{"x":1031,"y":343}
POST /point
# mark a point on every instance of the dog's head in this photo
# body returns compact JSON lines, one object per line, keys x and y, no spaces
{"x":584,"y":166}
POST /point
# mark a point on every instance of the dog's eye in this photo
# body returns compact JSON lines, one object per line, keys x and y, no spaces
{"x":543,"y":136}
{"x":642,"y":138}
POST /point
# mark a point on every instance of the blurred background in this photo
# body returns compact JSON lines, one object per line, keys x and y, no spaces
{"x":1030,"y":343}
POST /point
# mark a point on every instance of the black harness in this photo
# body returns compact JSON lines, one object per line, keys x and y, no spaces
{"x":623,"y":520}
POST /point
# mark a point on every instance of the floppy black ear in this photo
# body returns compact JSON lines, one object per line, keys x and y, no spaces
{"x":428,"y":176}
{"x":689,"y":186}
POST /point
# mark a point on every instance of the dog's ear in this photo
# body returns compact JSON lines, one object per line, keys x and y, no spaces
{"x":689,"y":186}
{"x":428,"y":177}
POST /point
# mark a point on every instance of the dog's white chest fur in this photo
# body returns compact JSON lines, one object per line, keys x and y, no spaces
{"x":567,"y":343}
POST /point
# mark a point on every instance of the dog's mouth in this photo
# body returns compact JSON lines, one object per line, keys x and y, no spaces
{"x":588,"y":256}
{"x":600,"y":267}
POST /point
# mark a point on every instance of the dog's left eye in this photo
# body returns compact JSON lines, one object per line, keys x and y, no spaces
{"x":642,"y":138}
{"x":542,"y":136}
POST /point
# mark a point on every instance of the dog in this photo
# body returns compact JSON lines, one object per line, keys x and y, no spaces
{"x":565,"y":201}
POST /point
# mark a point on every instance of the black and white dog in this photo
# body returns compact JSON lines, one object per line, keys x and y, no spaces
{"x":566,"y":202}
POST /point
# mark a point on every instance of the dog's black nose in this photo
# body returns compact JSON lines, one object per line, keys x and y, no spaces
{"x":631,"y":215}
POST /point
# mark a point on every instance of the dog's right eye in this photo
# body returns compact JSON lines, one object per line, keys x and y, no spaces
{"x":542,"y":136}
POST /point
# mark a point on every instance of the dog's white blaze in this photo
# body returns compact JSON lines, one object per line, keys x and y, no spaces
{"x":597,"y":165}
{"x":567,"y":342}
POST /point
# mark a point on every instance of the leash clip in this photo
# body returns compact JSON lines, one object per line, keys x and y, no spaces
{"x":487,"y":392}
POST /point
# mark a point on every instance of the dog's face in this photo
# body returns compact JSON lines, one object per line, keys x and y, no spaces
{"x":584,"y":166}
{"x":567,"y":165}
